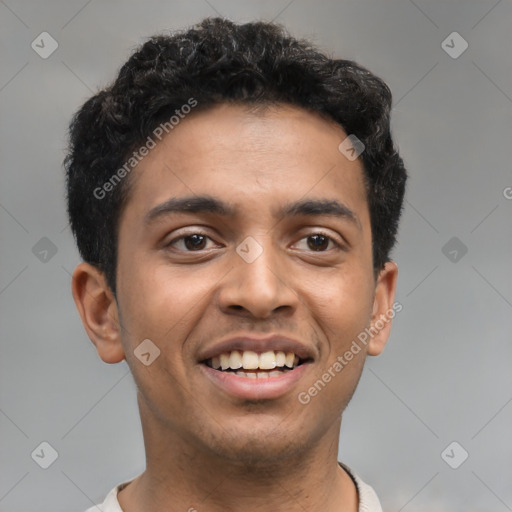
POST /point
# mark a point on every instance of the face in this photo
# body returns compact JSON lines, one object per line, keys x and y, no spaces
{"x":270,"y":253}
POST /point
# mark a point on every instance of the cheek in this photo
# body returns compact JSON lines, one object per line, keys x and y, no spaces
{"x":343,"y":311}
{"x":163,"y":304}
{"x":154,"y":306}
{"x":343,"y":304}
{"x":150,"y":302}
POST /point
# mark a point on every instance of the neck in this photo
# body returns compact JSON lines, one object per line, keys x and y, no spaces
{"x":181,"y":476}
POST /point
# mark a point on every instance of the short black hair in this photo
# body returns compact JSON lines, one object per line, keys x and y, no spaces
{"x":218,"y":61}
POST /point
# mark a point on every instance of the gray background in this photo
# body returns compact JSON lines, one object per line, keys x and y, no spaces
{"x":445,"y":374}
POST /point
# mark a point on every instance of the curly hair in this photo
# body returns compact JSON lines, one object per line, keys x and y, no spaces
{"x":219,"y":61}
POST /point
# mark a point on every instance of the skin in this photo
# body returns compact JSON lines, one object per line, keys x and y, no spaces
{"x":204,"y":448}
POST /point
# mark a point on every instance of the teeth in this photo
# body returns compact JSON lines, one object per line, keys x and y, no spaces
{"x":235,"y":360}
{"x":224,"y":361}
{"x":268,"y":360}
{"x":261,"y":375}
{"x":250,"y":360}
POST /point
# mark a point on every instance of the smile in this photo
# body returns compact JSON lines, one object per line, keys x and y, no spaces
{"x":250,"y":364}
{"x":251,"y":375}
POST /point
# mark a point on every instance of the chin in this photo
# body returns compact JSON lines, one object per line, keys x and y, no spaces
{"x":257,"y":447}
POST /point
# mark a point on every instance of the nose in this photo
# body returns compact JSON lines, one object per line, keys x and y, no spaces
{"x":261,"y":286}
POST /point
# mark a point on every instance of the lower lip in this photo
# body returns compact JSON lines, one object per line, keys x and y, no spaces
{"x":255,"y":389}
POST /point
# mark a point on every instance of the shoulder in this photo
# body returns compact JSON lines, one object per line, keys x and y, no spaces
{"x":368,"y":500}
{"x":111,"y":503}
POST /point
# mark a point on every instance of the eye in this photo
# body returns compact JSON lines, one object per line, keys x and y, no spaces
{"x":197,"y":241}
{"x":191,"y":242}
{"x":319,"y":242}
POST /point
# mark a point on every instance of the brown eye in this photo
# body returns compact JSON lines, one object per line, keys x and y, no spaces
{"x":194,"y":242}
{"x":318,"y":242}
{"x":190,"y":243}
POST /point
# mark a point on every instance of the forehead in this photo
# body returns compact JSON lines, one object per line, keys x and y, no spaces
{"x":248,"y":156}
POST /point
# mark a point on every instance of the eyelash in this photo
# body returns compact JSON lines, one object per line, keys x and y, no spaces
{"x":321,"y":233}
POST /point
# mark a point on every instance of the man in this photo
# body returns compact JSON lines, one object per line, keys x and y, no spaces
{"x":235,"y":195}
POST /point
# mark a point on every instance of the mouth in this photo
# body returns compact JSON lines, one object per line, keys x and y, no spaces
{"x":257,"y":368}
{"x":253,"y":365}
{"x":250,"y":375}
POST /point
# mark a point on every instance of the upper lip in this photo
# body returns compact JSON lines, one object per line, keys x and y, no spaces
{"x":275,"y":342}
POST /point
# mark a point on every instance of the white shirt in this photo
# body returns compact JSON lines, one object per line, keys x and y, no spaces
{"x":368,"y":500}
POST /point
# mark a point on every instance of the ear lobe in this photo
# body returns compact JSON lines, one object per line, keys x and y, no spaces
{"x":97,"y":307}
{"x":383,"y":311}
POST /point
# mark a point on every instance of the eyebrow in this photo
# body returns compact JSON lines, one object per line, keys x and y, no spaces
{"x":209,"y":204}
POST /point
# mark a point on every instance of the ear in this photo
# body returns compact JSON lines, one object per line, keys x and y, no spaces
{"x":98,"y":310}
{"x":383,"y":310}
